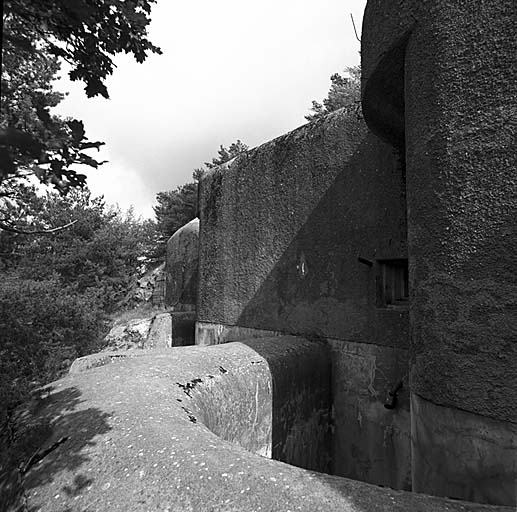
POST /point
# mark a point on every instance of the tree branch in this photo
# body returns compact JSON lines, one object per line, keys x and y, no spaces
{"x":12,"y":229}
{"x":355,"y":30}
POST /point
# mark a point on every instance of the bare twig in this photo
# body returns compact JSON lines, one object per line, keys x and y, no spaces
{"x":355,"y":30}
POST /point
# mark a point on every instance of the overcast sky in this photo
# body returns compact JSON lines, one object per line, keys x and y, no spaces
{"x":231,"y":69}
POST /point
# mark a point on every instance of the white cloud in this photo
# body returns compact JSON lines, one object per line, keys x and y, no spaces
{"x":231,"y":69}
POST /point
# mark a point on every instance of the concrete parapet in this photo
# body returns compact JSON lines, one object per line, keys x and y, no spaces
{"x":296,"y":237}
{"x":129,"y":436}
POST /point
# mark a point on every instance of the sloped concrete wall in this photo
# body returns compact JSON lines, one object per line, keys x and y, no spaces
{"x":291,"y":234}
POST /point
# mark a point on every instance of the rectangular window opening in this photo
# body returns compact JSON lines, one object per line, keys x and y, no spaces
{"x":393,"y":283}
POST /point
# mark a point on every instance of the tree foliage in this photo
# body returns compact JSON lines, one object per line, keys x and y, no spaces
{"x":85,"y":33}
{"x":345,"y":92}
{"x":37,"y":35}
{"x":99,"y":252}
{"x":43,"y":328}
{"x":57,"y":288}
{"x":225,"y":154}
{"x":174,"y":209}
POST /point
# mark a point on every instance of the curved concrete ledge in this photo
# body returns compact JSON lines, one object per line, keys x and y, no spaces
{"x":129,"y":436}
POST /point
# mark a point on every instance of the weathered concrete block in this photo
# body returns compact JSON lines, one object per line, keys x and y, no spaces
{"x":214,"y":334}
{"x":463,"y":454}
{"x":291,"y":238}
{"x":160,"y":332}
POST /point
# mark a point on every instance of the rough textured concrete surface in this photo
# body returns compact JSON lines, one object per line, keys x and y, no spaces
{"x":292,"y":234}
{"x":283,"y":225}
{"x":181,"y":266}
{"x":370,"y":443}
{"x":129,"y":436}
{"x":441,"y":76}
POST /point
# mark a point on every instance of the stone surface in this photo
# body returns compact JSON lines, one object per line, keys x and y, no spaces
{"x":126,"y":438}
{"x":130,"y":334}
{"x":147,"y":289}
{"x":181,"y":266}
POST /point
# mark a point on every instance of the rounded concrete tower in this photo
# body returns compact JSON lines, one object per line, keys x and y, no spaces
{"x":181,"y":267}
{"x":439,"y":84}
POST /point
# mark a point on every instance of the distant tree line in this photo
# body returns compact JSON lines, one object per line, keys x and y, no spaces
{"x":176,"y":207}
{"x":57,"y":289}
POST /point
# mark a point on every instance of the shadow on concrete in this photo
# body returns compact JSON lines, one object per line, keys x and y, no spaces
{"x":45,"y":434}
{"x":300,"y":373}
{"x":318,"y":286}
{"x":311,"y":281}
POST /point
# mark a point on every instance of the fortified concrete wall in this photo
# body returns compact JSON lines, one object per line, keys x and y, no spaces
{"x":293,"y":235}
{"x":439,"y":81}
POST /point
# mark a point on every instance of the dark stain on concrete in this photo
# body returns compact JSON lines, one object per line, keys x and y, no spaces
{"x":189,"y":386}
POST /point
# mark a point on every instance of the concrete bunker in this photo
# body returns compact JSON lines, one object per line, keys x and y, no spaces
{"x":306,"y":239}
{"x":309,"y":235}
{"x":419,"y":91}
{"x":303,"y":288}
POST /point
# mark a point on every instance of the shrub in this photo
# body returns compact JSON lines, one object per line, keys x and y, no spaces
{"x":44,"y":326}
